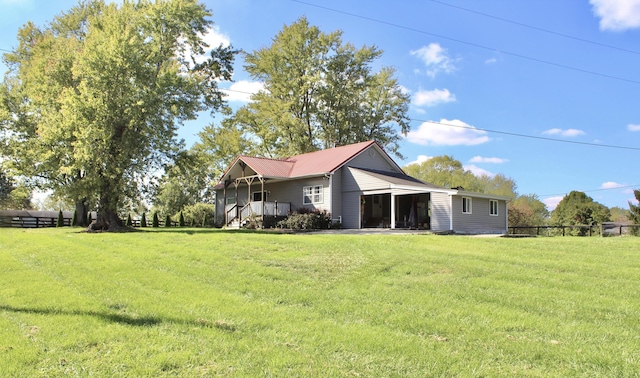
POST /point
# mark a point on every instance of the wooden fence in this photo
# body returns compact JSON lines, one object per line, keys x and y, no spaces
{"x":585,"y":230}
{"x":50,"y":221}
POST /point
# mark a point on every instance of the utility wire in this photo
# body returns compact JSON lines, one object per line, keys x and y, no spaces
{"x":528,"y":136}
{"x":537,"y":60}
{"x":498,"y":131}
{"x":591,"y":190}
{"x":537,"y":28}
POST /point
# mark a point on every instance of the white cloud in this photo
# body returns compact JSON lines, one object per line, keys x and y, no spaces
{"x":491,"y":61}
{"x":435,"y":59}
{"x":448,"y":133}
{"x":478,"y":171}
{"x":420,"y":159}
{"x":492,"y":160}
{"x":617,"y":15}
{"x":566,"y":133}
{"x":611,"y":185}
{"x":433,"y":97}
{"x":215,"y":38}
{"x":633,"y":127}
{"x":242,"y":90}
{"x":552,"y":202}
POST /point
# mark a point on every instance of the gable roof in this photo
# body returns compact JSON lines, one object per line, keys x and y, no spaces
{"x":309,"y":164}
{"x":400,"y":179}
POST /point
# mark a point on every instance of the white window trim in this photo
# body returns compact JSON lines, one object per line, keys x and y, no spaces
{"x":231,"y":200}
{"x":469,"y":206}
{"x":264,"y":195}
{"x":309,"y":192}
{"x":491,"y":202}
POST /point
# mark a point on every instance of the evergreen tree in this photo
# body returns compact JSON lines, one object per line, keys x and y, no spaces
{"x":635,"y":212}
{"x":155,"y":222}
{"x":167,"y":221}
{"x":143,"y":220}
{"x":182,"y":222}
{"x":60,"y":221}
{"x":129,"y":222}
{"x":74,"y":220}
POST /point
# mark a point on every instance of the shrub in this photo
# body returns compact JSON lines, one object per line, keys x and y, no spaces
{"x":155,"y":222}
{"x":143,"y":220}
{"x":305,"y":219}
{"x":167,"y":221}
{"x":74,"y":220}
{"x":129,"y":221}
{"x":200,"y":214}
{"x":182,"y":222}
{"x":60,"y":222}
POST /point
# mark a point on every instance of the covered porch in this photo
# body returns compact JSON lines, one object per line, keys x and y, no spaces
{"x":393,"y":210}
{"x":240,"y":209}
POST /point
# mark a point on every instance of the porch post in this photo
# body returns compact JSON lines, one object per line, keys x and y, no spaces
{"x":262,"y":198}
{"x":393,"y":211}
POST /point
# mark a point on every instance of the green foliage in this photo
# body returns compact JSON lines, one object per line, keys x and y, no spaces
{"x":155,"y":222}
{"x":89,"y":218}
{"x":577,"y":208}
{"x":319,"y":92}
{"x":189,"y":181}
{"x":13,"y":196}
{"x":143,"y":220}
{"x":129,"y":221}
{"x":448,"y":172}
{"x":200,"y":214}
{"x":206,"y":303}
{"x":181,"y":222}
{"x":94,"y":98}
{"x":60,"y":221}
{"x":528,"y":210}
{"x":305,"y":219}
{"x":167,"y":221}
{"x":74,"y":220}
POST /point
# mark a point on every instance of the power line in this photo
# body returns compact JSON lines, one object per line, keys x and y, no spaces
{"x":528,"y":136}
{"x":537,"y":28}
{"x":537,"y":60}
{"x":590,"y":190}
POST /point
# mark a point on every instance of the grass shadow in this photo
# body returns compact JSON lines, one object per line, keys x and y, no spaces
{"x":108,"y":316}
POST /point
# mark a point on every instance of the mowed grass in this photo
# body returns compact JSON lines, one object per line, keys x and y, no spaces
{"x":218,"y":303}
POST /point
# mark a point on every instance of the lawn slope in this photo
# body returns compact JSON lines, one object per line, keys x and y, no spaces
{"x":211,"y":302}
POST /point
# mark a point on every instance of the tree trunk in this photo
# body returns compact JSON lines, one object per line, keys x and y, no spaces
{"x":107,"y":221}
{"x":81,"y":213}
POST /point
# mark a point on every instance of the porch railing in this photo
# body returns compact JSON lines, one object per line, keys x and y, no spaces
{"x":278,"y":209}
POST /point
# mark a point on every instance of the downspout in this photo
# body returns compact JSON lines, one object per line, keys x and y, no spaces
{"x":451,"y":212}
{"x":262,"y":198}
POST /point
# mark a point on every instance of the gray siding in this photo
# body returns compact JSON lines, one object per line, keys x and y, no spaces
{"x":372,"y":159}
{"x":440,"y":212}
{"x":479,"y":221}
{"x":351,"y":210}
{"x":336,"y":194}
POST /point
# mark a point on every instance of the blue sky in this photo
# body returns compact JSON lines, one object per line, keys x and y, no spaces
{"x":545,"y":92}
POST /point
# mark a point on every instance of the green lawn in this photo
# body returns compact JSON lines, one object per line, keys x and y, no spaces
{"x":217,"y":303}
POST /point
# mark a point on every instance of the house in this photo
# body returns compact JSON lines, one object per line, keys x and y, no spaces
{"x":359,"y":185}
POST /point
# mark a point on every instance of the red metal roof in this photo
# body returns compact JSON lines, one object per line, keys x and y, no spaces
{"x":309,"y":164}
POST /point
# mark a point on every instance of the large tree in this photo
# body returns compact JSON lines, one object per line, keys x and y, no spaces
{"x":93,"y":100}
{"x":13,"y":196}
{"x":577,"y":208}
{"x":528,"y":210}
{"x":318,"y":93}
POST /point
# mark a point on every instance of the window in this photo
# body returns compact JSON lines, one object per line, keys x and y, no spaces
{"x":466,"y":205}
{"x":493,"y":207}
{"x":258,"y":196}
{"x":231,"y":200}
{"x":312,"y":194}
